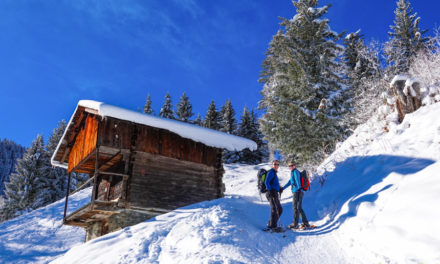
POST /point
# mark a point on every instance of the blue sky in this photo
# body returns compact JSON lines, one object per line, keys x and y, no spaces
{"x":54,"y":53}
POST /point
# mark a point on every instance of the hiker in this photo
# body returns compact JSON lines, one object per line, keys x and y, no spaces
{"x":273,"y":188}
{"x":297,"y":198}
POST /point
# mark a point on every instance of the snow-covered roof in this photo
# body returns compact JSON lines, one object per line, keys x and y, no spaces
{"x":209,"y":137}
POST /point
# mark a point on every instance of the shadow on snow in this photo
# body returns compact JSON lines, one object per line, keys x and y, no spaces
{"x":347,"y":183}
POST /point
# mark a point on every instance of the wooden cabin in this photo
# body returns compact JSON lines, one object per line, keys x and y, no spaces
{"x":139,"y":165}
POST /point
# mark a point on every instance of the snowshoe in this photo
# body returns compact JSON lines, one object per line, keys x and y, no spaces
{"x":293,"y":226}
{"x":306,"y":227}
{"x":277,"y":229}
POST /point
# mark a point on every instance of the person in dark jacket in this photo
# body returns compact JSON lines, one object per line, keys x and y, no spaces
{"x":273,"y":188}
{"x":297,"y":198}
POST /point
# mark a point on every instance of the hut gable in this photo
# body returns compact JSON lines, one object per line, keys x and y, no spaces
{"x":139,"y":165}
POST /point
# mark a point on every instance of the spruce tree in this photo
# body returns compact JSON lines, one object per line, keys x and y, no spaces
{"x":227,"y":114}
{"x":198,"y":120}
{"x":9,"y":153}
{"x":167,"y":109}
{"x":249,"y":128}
{"x":212,"y":117}
{"x":22,"y":189}
{"x":364,"y":75}
{"x":304,"y":98}
{"x":148,"y":109}
{"x":228,"y":125}
{"x":184,"y":109}
{"x":406,"y":40}
{"x":54,"y":185}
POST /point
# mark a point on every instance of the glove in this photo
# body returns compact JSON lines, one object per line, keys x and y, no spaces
{"x":281,"y":191}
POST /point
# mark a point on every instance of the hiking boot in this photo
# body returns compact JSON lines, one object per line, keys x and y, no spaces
{"x":293,"y":226}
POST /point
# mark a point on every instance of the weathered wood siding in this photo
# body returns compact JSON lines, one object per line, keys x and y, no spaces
{"x":121,"y":134}
{"x":167,"y":183}
{"x":85,"y":142}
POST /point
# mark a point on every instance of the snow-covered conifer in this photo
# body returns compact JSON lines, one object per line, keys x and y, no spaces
{"x":304,"y":98}
{"x":184,"y":109}
{"x":21,"y":190}
{"x":9,"y":153}
{"x":406,"y":40}
{"x":249,"y":128}
{"x":198,"y":120}
{"x":364,"y":76}
{"x":227,"y":114}
{"x":148,"y":109}
{"x":167,"y":109}
{"x":212,"y":117}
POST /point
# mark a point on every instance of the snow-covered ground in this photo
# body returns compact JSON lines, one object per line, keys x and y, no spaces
{"x":379,"y":204}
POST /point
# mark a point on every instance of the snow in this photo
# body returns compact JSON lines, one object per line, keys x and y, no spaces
{"x":409,"y":86}
{"x":398,"y":78}
{"x":378,"y":204}
{"x":206,"y":136}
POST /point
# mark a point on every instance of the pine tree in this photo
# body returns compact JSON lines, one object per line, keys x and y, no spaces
{"x":227,"y":114}
{"x":148,"y":106}
{"x":228,"y":125}
{"x":249,"y":128}
{"x":303,"y":95}
{"x":212,"y":117}
{"x":53,"y":186}
{"x":364,"y":76}
{"x":9,"y":153}
{"x":21,"y":190}
{"x":198,"y":120}
{"x":406,"y":40}
{"x":184,"y":109}
{"x":167,"y":109}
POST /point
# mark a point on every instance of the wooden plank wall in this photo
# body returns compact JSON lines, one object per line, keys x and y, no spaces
{"x":119,"y":134}
{"x":162,"y":182}
{"x":116,"y":133}
{"x":85,"y":142}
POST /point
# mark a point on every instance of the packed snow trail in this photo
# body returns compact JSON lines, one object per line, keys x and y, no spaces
{"x":226,"y":230}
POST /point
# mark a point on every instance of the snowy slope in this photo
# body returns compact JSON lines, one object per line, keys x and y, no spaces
{"x":39,"y":236}
{"x":379,"y":204}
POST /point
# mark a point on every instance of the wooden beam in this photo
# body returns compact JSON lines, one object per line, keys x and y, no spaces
{"x":95,"y":182}
{"x":107,"y":164}
{"x":124,"y":176}
{"x":66,"y":152}
{"x":84,"y":160}
{"x":91,"y":111}
{"x":67,"y":196}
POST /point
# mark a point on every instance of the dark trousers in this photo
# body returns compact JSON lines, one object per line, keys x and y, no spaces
{"x":297,"y":208}
{"x":275,"y":208}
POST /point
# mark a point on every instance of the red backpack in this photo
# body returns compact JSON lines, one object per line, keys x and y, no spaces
{"x":305,"y":184}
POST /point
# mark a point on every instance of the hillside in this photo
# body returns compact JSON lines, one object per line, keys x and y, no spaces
{"x":378,"y":204}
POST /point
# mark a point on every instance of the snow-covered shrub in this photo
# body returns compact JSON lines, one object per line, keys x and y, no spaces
{"x":426,"y":68}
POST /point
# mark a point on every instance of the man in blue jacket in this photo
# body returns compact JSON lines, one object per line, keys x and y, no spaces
{"x":273,"y":188}
{"x":297,"y":198}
